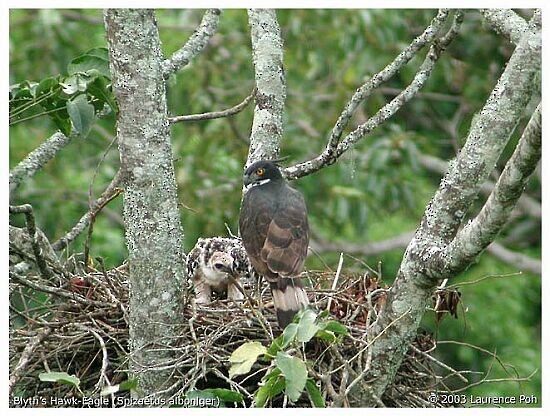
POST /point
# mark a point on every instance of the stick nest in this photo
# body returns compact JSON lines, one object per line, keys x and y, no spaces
{"x":77,"y":322}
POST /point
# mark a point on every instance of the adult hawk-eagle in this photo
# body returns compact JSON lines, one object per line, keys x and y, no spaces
{"x":274,"y":230}
{"x":212,"y":263}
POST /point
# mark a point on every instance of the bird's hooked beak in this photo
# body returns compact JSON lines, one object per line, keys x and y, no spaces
{"x":247,"y":180}
{"x":226,"y":269}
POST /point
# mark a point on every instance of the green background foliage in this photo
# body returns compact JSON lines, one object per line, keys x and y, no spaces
{"x":378,"y":190}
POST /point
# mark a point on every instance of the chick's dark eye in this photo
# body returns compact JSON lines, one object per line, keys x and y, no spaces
{"x":218,"y":266}
{"x":260,"y":171}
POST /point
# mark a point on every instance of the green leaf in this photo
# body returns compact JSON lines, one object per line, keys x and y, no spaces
{"x":226,"y":395}
{"x":295,"y":373}
{"x":100,"y":89}
{"x":289,"y":334}
{"x":323,"y":314}
{"x":272,"y":387}
{"x":307,"y":328}
{"x":314,"y":394}
{"x":127,"y":385}
{"x":26,"y":89}
{"x":59,"y":377}
{"x":130,"y":384}
{"x":336,"y":327}
{"x":97,"y":59}
{"x":46,"y":85}
{"x":272,"y":374}
{"x":73,"y":84}
{"x":326,"y":335}
{"x":63,"y":124}
{"x":82,"y":114}
{"x":100,"y":52}
{"x":244,"y":357}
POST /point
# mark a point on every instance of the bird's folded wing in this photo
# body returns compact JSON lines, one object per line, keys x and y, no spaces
{"x":285,"y":247}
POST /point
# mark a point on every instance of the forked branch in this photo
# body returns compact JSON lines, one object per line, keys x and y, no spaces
{"x":196,"y":43}
{"x":336,"y":146}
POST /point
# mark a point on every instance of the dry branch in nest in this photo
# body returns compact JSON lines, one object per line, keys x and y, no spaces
{"x":76,"y":323}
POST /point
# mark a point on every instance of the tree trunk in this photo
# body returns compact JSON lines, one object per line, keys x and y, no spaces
{"x":151,"y":217}
{"x":267,"y":54}
{"x":426,"y":258}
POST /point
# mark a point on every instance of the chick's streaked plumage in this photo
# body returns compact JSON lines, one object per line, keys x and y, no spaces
{"x":212,"y":263}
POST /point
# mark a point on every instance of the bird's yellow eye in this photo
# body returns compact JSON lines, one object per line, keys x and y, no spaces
{"x":260,"y":171}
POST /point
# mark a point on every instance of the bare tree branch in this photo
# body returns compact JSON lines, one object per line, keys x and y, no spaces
{"x":25,"y":358}
{"x":519,"y":260}
{"x":369,"y":249}
{"x":196,"y":43}
{"x":527,"y":204}
{"x":483,"y":229}
{"x":489,"y":134}
{"x":336,"y":147}
{"x":86,"y":218}
{"x":31,"y":229}
{"x":214,"y":114}
{"x":434,"y":96}
{"x":506,"y":22}
{"x":418,"y":273}
{"x":37,"y":159}
{"x":267,"y":55}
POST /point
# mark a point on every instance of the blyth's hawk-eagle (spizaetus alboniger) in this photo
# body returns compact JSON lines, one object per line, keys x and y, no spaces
{"x":218,"y":264}
{"x":275,"y":233}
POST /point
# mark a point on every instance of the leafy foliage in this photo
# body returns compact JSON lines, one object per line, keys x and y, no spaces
{"x":71,"y":101}
{"x":288,"y":373}
{"x":60,"y":377}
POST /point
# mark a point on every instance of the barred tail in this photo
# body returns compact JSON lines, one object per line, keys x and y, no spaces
{"x":289,"y":297}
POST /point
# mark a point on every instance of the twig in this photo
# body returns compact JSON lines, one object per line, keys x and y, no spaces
{"x":439,"y":363}
{"x":116,"y":192}
{"x":194,"y":45}
{"x":105,"y":359}
{"x":335,"y":147}
{"x":521,"y":261}
{"x":526,"y":203}
{"x":57,"y":291}
{"x":31,"y":229}
{"x":259,"y":316}
{"x":386,"y":328}
{"x":492,"y":354}
{"x":86,"y":218}
{"x":483,"y":229}
{"x":434,"y":96}
{"x":26,"y":357}
{"x":336,"y":278}
{"x":214,"y":114}
{"x":368,"y":249}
